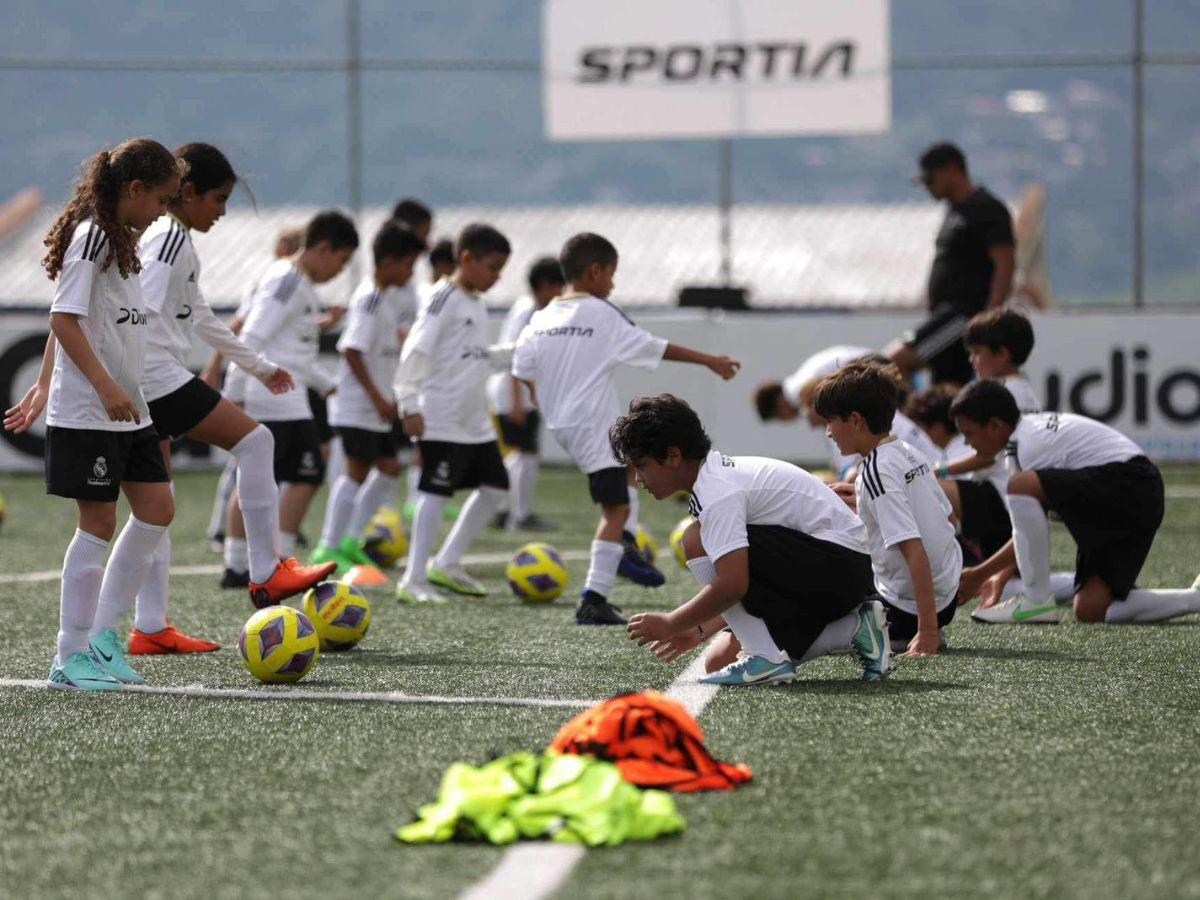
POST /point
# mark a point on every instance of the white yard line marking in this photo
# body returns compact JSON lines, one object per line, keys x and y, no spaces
{"x":536,"y":870}
{"x":294,"y":694}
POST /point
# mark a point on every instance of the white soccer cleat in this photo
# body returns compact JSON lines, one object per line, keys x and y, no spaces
{"x":1019,"y":610}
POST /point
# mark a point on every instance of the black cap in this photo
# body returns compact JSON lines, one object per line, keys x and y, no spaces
{"x":938,"y":156}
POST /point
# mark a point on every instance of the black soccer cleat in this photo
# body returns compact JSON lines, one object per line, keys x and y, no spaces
{"x":232,"y":579}
{"x":595,"y":610}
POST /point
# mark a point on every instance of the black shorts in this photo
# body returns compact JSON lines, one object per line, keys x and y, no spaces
{"x":320,"y":416}
{"x":523,"y":437}
{"x":365,"y":446}
{"x":183,"y":409}
{"x":986,"y":526}
{"x":447,"y":467}
{"x":799,"y":584}
{"x":298,"y":457}
{"x":1113,"y":512}
{"x":902,"y":625}
{"x":609,"y":487}
{"x":90,"y":464}
{"x":939,"y":342}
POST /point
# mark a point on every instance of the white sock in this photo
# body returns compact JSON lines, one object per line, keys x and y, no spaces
{"x":335,"y":465}
{"x":131,"y":557}
{"x":632,"y":523}
{"x":602,"y":569}
{"x":1062,"y":586}
{"x":237,"y":557}
{"x":150,"y":610}
{"x":82,"y":574}
{"x":426,"y":521}
{"x":1153,"y":606}
{"x":287,"y":546}
{"x":338,"y":510}
{"x":522,"y":477}
{"x":834,"y":639}
{"x":375,"y":492}
{"x":704,"y":569}
{"x":412,"y":480}
{"x":220,"y":511}
{"x":1031,"y":538}
{"x":752,"y":633}
{"x":258,"y":497}
{"x":475,"y":514}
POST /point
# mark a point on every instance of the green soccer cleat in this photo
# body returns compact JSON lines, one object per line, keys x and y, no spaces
{"x":351,"y":549}
{"x":455,"y":578}
{"x":323,"y":553}
{"x":1019,"y":610}
{"x":109,"y":653}
{"x":80,"y":673}
{"x":872,"y":643}
{"x":749,"y":669}
{"x":418,"y":593}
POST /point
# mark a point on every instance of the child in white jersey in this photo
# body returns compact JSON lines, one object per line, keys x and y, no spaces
{"x":782,"y":563}
{"x":99,"y":438}
{"x":914,"y":554}
{"x":441,"y":390}
{"x":363,"y":409}
{"x":285,"y":316}
{"x":1107,"y":493}
{"x":568,"y":353}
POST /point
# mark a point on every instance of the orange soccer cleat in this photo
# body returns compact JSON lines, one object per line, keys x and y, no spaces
{"x":169,"y":640}
{"x":291,"y":577}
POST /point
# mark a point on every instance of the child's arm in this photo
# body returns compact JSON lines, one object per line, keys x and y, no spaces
{"x":725,"y":366}
{"x":532,"y":388}
{"x":965,"y":464}
{"x":972,"y":579}
{"x":915,"y":557}
{"x":731,"y":585}
{"x":119,"y":405}
{"x":516,"y":404}
{"x":21,"y":417}
{"x":386,"y":408}
{"x":212,"y":372}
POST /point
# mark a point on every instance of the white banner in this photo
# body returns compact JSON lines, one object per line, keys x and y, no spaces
{"x":643,"y":69}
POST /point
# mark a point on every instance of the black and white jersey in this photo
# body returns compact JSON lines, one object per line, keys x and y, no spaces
{"x":170,"y":282}
{"x":1060,"y":440}
{"x":373,"y":321}
{"x":114,"y":320}
{"x":1027,"y":402}
{"x":732,"y":492}
{"x":899,"y":500}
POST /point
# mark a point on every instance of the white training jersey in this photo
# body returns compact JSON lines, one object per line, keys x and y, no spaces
{"x":569,"y":350}
{"x":373,"y":323}
{"x":170,"y":282}
{"x":1059,"y":440}
{"x":912,"y":434}
{"x":113,"y":319}
{"x":500,"y":385}
{"x":451,"y":332}
{"x":899,"y":500}
{"x":1021,"y":389}
{"x":1027,"y":402}
{"x":732,"y":492}
{"x":822,"y":363}
{"x":284,"y":316}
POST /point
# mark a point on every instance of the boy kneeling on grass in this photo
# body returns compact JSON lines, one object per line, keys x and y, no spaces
{"x":781,"y":561}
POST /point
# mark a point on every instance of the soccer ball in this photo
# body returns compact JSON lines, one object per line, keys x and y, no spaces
{"x":647,"y":545}
{"x":384,"y":540}
{"x":3,"y":509}
{"x":340,"y":613}
{"x":537,"y":573}
{"x":677,"y":539}
{"x":279,"y":644}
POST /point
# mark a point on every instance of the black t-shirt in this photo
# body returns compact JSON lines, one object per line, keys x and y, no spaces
{"x":961,"y":275}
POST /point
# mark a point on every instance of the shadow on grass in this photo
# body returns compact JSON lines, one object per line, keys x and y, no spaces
{"x":891,"y":686}
{"x":444,"y":661}
{"x":1015,"y":653}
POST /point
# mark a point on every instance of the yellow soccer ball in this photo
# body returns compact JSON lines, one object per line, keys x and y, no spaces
{"x":340,"y":613}
{"x":647,"y":545}
{"x":3,"y":509}
{"x":537,"y":573}
{"x":677,"y":539}
{"x":384,"y":540}
{"x":279,"y":645}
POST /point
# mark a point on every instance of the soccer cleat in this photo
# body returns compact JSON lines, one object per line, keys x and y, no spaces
{"x":1018,"y":610}
{"x":80,"y":673}
{"x":323,"y":554}
{"x":749,"y":669}
{"x":871,"y":642}
{"x":533,"y":522}
{"x":232,"y":579}
{"x":596,"y":610}
{"x":418,"y":593}
{"x":169,"y":640}
{"x":352,"y":549}
{"x":291,"y":577}
{"x":110,"y":656}
{"x":455,"y":578}
{"x":636,"y":567}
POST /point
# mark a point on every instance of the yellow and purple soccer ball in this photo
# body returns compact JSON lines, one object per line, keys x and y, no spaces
{"x":677,"y":539}
{"x":340,"y":612}
{"x":279,"y":645}
{"x":647,"y":545}
{"x":537,"y":573}
{"x":384,"y":540}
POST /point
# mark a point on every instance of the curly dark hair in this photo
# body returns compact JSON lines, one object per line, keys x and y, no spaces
{"x":866,"y":388}
{"x":931,"y":406}
{"x":655,"y":424}
{"x":95,"y":197}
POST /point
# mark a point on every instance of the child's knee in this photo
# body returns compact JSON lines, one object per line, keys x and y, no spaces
{"x":99,"y":522}
{"x":389,"y":467}
{"x":692,"y":546}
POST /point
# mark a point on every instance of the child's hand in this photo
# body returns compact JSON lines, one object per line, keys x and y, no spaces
{"x":646,"y":628}
{"x":21,"y":417}
{"x":387,"y":410}
{"x":414,"y":425}
{"x":923,"y":645}
{"x":845,"y":490}
{"x":118,"y":403}
{"x":677,"y":645}
{"x":993,"y":589}
{"x":725,"y":366}
{"x":280,"y":382}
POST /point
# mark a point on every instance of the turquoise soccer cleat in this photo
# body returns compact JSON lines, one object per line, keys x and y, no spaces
{"x":748,"y":669}
{"x":110,"y":656}
{"x":80,"y":673}
{"x":872,"y":643}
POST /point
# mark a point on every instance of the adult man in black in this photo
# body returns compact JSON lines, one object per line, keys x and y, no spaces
{"x":972,"y":268}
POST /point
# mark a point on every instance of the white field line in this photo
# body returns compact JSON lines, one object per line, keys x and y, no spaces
{"x":477,"y":559}
{"x":295,"y":694}
{"x":536,"y":870}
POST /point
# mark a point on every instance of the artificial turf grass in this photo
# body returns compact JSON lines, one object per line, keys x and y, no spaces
{"x":1028,"y":761}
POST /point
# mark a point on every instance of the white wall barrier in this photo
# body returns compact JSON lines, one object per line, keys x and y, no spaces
{"x":1138,"y":372}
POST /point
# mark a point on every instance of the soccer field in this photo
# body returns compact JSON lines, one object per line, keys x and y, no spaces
{"x":1043,"y":761}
